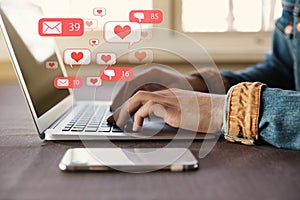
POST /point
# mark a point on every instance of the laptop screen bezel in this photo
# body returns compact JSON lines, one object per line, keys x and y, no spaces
{"x":48,"y":118}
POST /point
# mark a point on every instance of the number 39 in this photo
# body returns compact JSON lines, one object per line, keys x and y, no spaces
{"x":74,"y":27}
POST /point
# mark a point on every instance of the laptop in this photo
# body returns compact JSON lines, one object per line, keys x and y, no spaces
{"x":56,"y":114}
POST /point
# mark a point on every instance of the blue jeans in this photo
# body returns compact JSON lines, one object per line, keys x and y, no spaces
{"x":279,"y":120}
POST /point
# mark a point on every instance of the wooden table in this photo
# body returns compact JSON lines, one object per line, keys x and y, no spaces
{"x":29,"y":168}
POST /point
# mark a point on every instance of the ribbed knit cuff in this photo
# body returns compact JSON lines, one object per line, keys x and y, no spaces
{"x":242,"y":113}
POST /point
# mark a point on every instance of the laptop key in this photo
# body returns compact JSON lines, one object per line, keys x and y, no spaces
{"x":105,"y":125}
{"x":91,"y":129}
{"x":77,"y":129}
{"x":116,"y":129}
{"x":104,"y":129}
{"x":79,"y":125}
{"x":87,"y":120}
{"x":93,"y":125}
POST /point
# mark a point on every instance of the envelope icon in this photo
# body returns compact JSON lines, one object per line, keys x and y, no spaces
{"x":62,"y":82}
{"x":52,"y":27}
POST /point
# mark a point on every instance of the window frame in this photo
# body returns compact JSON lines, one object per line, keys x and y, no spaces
{"x":225,"y":47}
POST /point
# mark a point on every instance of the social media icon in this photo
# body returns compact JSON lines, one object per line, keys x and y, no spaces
{"x":63,"y":82}
{"x":146,"y":16}
{"x":77,"y":57}
{"x":99,"y":11}
{"x":142,"y":56}
{"x":94,"y":42}
{"x":61,"y":27}
{"x":52,"y":28}
{"x":116,"y":74}
{"x":110,"y":73}
{"x":67,"y":82}
{"x":146,"y":34}
{"x":51,"y":65}
{"x":139,"y":15}
{"x":106,"y":58}
{"x":93,"y":81}
{"x":90,"y":24}
{"x":122,"y":32}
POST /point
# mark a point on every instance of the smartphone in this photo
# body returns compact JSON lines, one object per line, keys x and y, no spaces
{"x":128,"y":159}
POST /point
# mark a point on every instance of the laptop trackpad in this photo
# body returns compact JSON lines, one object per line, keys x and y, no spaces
{"x":156,"y":127}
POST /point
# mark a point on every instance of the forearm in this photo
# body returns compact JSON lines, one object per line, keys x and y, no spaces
{"x":271,"y":72}
{"x":208,"y":80}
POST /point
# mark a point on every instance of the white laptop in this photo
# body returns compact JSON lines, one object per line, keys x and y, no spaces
{"x":56,"y":115}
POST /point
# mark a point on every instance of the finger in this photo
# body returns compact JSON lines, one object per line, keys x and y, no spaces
{"x":150,"y":80}
{"x":142,"y":113}
{"x":135,"y":102}
{"x":125,"y":112}
{"x":160,"y":110}
{"x":112,"y":119}
{"x":125,"y":92}
{"x":128,"y":89}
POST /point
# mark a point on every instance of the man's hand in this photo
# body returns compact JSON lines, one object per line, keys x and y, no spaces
{"x":156,"y":79}
{"x":184,"y":109}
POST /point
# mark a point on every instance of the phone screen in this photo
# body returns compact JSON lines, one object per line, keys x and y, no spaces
{"x":128,"y":159}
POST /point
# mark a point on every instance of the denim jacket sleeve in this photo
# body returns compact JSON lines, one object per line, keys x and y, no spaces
{"x":279,"y":122}
{"x":277,"y":77}
{"x":276,"y":70}
{"x":279,"y":115}
{"x":272,"y":115}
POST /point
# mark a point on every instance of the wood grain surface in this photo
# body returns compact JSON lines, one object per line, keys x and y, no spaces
{"x":29,"y":168}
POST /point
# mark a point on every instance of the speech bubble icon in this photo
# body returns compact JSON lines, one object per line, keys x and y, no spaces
{"x":99,"y":11}
{"x":77,"y":57}
{"x":106,"y":58}
{"x":139,"y":15}
{"x":116,"y":74}
{"x":90,"y":24}
{"x":94,"y":42}
{"x":93,"y":81}
{"x":141,"y":56}
{"x":146,"y":34}
{"x":51,"y":65}
{"x":110,"y":73}
{"x":122,"y":32}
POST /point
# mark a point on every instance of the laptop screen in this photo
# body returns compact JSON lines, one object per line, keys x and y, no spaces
{"x":35,"y":55}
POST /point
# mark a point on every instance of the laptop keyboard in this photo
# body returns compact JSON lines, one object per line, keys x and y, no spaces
{"x":89,"y":119}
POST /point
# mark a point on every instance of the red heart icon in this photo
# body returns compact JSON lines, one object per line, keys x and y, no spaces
{"x":94,"y":41}
{"x":140,"y":55}
{"x":105,"y":58}
{"x":144,"y":34}
{"x":99,"y":11}
{"x":122,"y":32}
{"x":93,"y":81}
{"x":51,"y":64}
{"x":89,"y":23}
{"x":77,"y":56}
